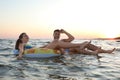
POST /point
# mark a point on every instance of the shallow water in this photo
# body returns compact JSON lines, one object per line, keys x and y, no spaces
{"x":66,"y":67}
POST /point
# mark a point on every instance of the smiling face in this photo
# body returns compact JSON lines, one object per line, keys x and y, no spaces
{"x":25,"y":38}
{"x":56,"y":34}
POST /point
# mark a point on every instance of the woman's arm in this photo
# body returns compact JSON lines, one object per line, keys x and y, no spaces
{"x":21,"y":51}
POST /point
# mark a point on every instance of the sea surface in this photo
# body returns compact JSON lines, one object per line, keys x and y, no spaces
{"x":66,"y":67}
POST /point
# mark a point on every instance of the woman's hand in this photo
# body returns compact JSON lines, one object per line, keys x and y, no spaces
{"x":19,"y":57}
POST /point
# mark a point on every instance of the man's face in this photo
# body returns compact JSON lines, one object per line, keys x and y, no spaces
{"x":56,"y":35}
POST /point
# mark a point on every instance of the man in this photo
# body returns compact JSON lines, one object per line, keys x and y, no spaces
{"x":92,"y":49}
{"x":63,"y":44}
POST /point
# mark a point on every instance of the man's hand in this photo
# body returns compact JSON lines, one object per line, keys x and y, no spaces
{"x":62,"y":31}
{"x":70,"y":37}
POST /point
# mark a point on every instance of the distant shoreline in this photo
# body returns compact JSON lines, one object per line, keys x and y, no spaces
{"x":117,"y":38}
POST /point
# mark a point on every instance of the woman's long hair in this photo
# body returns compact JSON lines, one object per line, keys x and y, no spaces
{"x":19,"y":41}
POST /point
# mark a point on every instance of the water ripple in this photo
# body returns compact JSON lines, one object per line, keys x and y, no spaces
{"x":66,"y":67}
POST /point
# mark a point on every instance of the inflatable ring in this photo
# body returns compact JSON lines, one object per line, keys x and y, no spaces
{"x":39,"y":53}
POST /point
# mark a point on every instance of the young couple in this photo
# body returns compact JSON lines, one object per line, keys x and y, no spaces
{"x":61,"y":45}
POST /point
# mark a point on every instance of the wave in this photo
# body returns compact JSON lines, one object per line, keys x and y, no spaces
{"x":3,"y":49}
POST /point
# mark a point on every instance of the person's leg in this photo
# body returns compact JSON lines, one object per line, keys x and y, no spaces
{"x":87,"y":52}
{"x":61,"y":44}
{"x":93,"y":48}
{"x":84,"y":44}
{"x":71,"y":45}
{"x":105,"y":51}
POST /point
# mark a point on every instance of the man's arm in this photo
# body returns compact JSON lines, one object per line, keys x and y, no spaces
{"x":70,"y":37}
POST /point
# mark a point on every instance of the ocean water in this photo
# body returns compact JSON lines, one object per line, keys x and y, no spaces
{"x":66,"y":67}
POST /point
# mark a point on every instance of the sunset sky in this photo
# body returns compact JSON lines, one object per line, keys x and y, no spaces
{"x":38,"y":18}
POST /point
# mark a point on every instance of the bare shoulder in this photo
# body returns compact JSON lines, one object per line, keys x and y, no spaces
{"x":21,"y":45}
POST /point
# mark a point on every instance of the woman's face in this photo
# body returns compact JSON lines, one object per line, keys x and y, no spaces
{"x":25,"y":38}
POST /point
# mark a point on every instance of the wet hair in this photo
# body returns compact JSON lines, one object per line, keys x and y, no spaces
{"x":19,"y":41}
{"x":57,"y":30}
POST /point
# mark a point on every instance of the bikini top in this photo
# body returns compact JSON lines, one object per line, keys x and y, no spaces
{"x":27,"y":46}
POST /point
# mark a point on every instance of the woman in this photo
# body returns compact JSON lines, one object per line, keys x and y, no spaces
{"x":21,"y":44}
{"x":54,"y":45}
